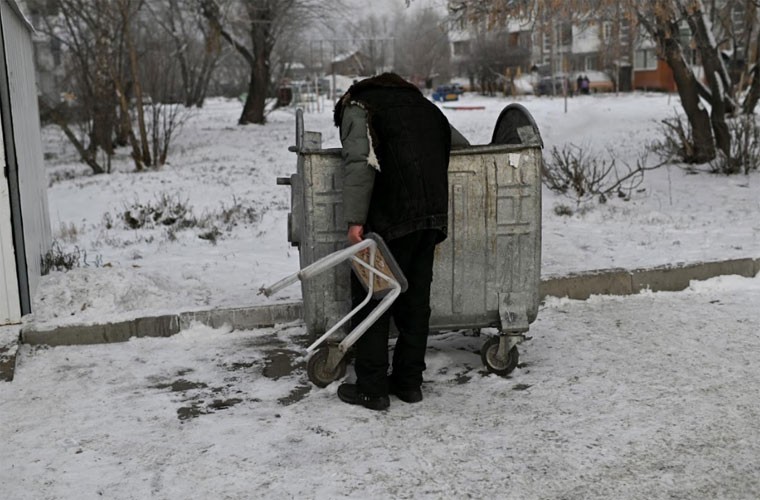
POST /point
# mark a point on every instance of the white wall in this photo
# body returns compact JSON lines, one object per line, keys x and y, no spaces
{"x":10,"y":308}
{"x":27,"y":143}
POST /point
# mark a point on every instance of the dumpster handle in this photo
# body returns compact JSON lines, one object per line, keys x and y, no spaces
{"x":299,"y":130}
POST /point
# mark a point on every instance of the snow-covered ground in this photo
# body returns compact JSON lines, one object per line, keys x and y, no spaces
{"x":649,"y":396}
{"x":227,"y":174}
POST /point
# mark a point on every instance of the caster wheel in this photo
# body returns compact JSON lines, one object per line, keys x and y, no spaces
{"x":318,"y":372}
{"x":500,"y":366}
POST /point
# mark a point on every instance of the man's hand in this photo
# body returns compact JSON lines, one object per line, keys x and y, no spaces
{"x":355,"y":234}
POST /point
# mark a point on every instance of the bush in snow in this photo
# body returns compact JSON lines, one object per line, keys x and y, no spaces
{"x":56,"y":259}
{"x":745,"y":147}
{"x":166,"y":210}
{"x":675,"y":145}
{"x":175,"y":214}
{"x":563,"y":210}
{"x":237,"y":212}
{"x":578,"y":174}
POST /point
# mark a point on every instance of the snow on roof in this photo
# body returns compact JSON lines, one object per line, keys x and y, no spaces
{"x":346,"y":55}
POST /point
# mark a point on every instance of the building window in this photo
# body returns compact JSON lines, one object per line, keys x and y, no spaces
{"x":645,"y":59}
{"x":590,"y":63}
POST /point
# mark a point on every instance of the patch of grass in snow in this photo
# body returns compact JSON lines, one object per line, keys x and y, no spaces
{"x":165,"y":210}
{"x":58,"y":259}
{"x":68,"y":232}
{"x":176,"y":214}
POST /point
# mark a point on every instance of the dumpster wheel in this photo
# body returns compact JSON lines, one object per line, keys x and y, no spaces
{"x":318,"y":372}
{"x":500,"y":366}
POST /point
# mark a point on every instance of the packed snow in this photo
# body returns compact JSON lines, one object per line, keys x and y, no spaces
{"x":647,"y":396}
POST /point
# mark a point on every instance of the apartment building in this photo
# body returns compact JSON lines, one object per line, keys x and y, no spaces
{"x":606,"y":43}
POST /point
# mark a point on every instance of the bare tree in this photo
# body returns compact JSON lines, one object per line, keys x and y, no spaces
{"x":422,"y":45}
{"x":662,"y":20}
{"x":197,"y":47}
{"x":91,"y":37}
{"x":664,"y":28}
{"x":264,"y":23}
{"x":371,"y":35}
{"x":105,"y":42}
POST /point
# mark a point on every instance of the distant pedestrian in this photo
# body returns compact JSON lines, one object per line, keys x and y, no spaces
{"x":585,"y":84}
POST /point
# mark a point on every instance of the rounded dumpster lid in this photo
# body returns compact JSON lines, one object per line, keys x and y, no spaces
{"x":515,"y":125}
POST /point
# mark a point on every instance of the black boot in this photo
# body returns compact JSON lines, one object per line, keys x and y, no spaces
{"x":407,"y":395}
{"x":348,"y":393}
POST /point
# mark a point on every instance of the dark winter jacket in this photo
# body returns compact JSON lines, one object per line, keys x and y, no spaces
{"x":396,"y":160}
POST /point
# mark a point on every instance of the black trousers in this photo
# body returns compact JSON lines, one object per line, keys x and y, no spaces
{"x":411,"y":312}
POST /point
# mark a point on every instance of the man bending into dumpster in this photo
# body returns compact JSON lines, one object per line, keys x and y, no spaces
{"x":396,"y":146}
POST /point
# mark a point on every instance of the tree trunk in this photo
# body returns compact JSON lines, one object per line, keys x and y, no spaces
{"x":701,"y":135}
{"x":126,"y":125}
{"x":203,"y":78}
{"x":253,"y":110}
{"x":753,"y":96}
{"x":721,"y":99}
{"x":103,"y":114}
{"x":61,"y":121}
{"x":132,"y":52}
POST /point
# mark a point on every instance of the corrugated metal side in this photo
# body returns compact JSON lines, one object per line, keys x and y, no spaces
{"x":27,"y":141}
{"x":10,"y":307}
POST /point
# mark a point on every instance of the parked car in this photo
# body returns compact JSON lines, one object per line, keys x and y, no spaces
{"x":457,"y":88}
{"x":446,"y":93}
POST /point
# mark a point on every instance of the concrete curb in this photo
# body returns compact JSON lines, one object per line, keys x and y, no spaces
{"x":242,"y":318}
{"x":658,"y":279}
{"x":575,"y":286}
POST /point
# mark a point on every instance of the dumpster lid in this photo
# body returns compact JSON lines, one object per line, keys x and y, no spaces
{"x":515,"y":125}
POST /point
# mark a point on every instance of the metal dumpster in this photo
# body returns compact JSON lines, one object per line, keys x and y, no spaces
{"x":486,"y":273}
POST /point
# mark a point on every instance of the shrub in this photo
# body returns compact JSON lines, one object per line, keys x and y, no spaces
{"x":56,"y":259}
{"x":563,"y":210}
{"x":582,"y":176}
{"x":674,"y":145}
{"x":745,"y":147}
{"x":174,"y":214}
{"x":166,"y":210}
